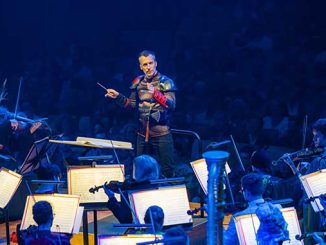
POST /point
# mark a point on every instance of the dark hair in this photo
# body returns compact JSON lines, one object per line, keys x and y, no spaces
{"x":260,"y":159}
{"x":42,"y":212}
{"x":157,"y":215}
{"x":175,"y":232}
{"x":253,"y":183}
{"x":320,"y":125}
{"x":147,"y":53}
{"x":146,"y":168}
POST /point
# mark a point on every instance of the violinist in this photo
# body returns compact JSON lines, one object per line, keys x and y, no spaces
{"x":16,"y":137}
{"x":319,"y":140}
{"x":312,"y":221}
{"x":145,"y":168}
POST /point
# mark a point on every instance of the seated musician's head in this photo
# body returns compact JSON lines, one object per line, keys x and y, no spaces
{"x":260,"y":161}
{"x":145,"y":168}
{"x":43,"y":214}
{"x":253,"y":186}
{"x":319,"y":132}
{"x":176,"y":236}
{"x":157,"y":217}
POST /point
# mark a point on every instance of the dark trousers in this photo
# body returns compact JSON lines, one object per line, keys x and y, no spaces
{"x":161,"y":148}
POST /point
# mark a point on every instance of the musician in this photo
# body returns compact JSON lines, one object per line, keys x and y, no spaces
{"x":15,"y":140}
{"x":319,"y":140}
{"x":41,"y":234}
{"x":176,"y":232}
{"x":313,"y":221}
{"x":155,"y":213}
{"x":145,"y":168}
{"x":16,"y":135}
{"x":253,"y":187}
{"x":153,"y":96}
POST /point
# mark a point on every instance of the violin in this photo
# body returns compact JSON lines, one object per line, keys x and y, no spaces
{"x":302,"y":154}
{"x":4,"y":113}
{"x":115,"y":186}
{"x":196,"y":210}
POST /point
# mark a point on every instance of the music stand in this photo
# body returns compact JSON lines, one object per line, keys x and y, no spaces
{"x":34,"y":156}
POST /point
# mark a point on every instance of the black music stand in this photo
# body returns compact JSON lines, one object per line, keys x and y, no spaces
{"x":34,"y":156}
{"x":94,"y":209}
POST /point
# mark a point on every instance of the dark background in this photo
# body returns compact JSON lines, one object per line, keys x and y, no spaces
{"x":250,"y":68}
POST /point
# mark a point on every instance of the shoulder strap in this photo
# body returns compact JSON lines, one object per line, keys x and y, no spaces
{"x":136,"y":82}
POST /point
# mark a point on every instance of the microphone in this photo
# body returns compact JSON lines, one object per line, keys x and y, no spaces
{"x":214,"y":145}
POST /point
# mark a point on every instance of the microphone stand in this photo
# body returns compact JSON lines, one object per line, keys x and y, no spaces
{"x":116,"y":156}
{"x":227,"y":181}
{"x":237,"y":153}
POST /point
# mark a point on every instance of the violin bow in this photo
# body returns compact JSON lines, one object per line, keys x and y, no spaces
{"x":3,"y":93}
{"x":304,"y":131}
{"x":18,"y":96}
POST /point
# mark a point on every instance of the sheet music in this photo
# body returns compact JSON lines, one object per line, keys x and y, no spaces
{"x":9,"y":182}
{"x":105,"y":142}
{"x":201,"y":172}
{"x":78,"y":220}
{"x":95,"y":143}
{"x":290,"y":216}
{"x":64,"y":209}
{"x":315,"y":185}
{"x":173,"y":200}
{"x":127,"y":239}
{"x":247,"y":227}
{"x":81,"y":179}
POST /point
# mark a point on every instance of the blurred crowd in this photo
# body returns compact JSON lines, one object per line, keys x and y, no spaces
{"x":255,"y":77}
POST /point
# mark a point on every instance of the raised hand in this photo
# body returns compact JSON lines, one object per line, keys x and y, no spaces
{"x":111,"y":93}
